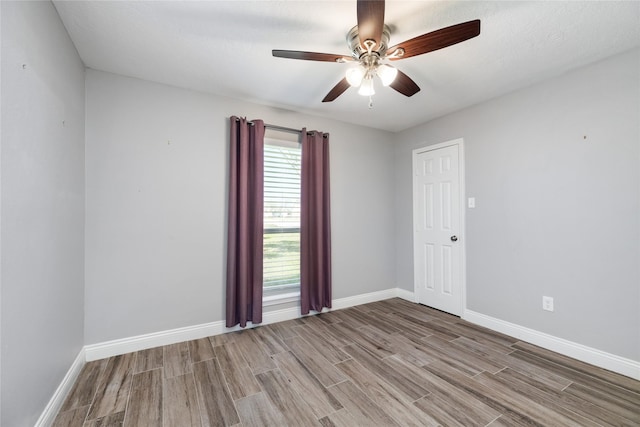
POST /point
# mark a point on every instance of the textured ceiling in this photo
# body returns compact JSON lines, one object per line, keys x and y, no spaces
{"x":224,"y":48}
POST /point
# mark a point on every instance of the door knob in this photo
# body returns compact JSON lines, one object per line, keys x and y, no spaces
{"x":454,"y":238}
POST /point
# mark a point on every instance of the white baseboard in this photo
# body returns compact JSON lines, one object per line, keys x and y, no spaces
{"x":347,"y":302}
{"x":577,"y":351}
{"x":57,"y":400}
{"x":173,"y":336}
{"x":406,"y":295}
{"x":154,"y":339}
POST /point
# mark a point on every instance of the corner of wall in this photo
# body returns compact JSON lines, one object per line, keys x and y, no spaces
{"x":55,"y":403}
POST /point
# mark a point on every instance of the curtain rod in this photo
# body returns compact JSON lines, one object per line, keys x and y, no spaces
{"x":284,"y":129}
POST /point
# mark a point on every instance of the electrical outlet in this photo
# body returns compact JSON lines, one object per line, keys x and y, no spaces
{"x":547,"y":303}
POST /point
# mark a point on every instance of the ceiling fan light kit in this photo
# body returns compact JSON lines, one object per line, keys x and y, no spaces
{"x":361,"y":74}
{"x":369,"y":43}
{"x":366,"y":88}
{"x":387,"y":74}
{"x":355,"y":75}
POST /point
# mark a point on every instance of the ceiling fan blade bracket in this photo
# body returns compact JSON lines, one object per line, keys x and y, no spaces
{"x":396,"y":54}
{"x":369,"y":44}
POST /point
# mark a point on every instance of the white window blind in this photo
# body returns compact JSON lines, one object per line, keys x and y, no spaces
{"x":281,"y":264}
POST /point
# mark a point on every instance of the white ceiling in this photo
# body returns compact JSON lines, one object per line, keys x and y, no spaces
{"x":224,"y":48}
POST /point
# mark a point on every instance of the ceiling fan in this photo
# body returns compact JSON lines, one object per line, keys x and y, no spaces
{"x":370,"y":51}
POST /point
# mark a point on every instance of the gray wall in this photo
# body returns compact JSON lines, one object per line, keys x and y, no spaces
{"x":555,"y":170}
{"x":42,"y":204}
{"x":156,"y":162}
{"x":557,"y":213}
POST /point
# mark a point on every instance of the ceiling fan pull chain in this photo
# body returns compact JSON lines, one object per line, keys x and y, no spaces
{"x":370,"y":102}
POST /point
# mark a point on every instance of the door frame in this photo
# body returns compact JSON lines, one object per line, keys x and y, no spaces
{"x":463,"y":208}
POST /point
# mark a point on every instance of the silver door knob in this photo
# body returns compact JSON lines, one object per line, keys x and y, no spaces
{"x":454,"y":238}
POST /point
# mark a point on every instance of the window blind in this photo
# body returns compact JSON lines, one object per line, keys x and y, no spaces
{"x":281,"y":265}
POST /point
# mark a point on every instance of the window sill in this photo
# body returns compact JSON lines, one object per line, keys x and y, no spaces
{"x":280,"y":299}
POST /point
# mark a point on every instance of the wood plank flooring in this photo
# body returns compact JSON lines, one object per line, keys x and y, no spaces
{"x":388,"y":363}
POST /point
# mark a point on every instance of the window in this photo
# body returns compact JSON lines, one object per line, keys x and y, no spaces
{"x":281,"y":263}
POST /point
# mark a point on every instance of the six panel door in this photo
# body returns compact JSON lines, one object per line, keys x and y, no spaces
{"x":437,"y":251}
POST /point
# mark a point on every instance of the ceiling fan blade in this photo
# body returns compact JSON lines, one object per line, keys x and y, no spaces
{"x":370,"y":21}
{"x":310,"y":56}
{"x":436,"y":40}
{"x":403,"y":84}
{"x":337,"y":90}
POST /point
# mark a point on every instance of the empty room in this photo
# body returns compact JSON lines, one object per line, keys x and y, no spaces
{"x":319,"y":213}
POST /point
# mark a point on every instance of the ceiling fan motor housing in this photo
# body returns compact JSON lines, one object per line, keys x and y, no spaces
{"x":357,"y":50}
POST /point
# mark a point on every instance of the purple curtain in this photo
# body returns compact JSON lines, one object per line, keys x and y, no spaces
{"x":245,"y":222}
{"x":315,"y":224}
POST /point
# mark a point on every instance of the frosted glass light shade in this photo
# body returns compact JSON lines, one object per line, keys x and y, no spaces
{"x":366,"y":88}
{"x":387,"y":74}
{"x":355,"y":75}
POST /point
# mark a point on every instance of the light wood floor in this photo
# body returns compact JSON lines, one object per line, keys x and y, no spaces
{"x":388,"y":363}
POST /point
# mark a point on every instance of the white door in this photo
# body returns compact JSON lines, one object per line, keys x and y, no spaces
{"x":437,"y":227}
